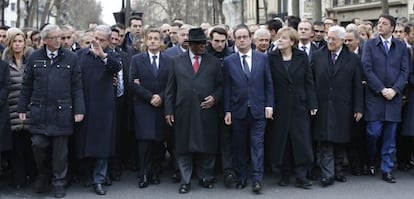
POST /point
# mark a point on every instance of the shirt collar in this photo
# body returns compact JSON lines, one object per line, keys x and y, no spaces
{"x":54,"y":52}
{"x":389,"y":39}
{"x":151,"y":55}
{"x":337,"y":52}
{"x":249,"y":53}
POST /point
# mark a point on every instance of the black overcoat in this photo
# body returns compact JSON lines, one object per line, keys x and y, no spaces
{"x":339,"y":93}
{"x":295,"y":96}
{"x":195,"y":128}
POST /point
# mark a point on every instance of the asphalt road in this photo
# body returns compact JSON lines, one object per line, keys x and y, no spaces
{"x":365,"y":187}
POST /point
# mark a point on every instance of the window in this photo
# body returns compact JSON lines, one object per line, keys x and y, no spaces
{"x":13,"y":7}
{"x":334,"y":3}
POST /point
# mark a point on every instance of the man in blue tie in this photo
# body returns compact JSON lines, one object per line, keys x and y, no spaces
{"x":386,"y":67}
{"x":248,"y":102}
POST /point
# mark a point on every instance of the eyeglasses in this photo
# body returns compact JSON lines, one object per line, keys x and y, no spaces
{"x":319,"y":31}
{"x":54,"y":38}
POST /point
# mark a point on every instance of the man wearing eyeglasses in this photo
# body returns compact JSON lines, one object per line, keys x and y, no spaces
{"x":52,"y":86}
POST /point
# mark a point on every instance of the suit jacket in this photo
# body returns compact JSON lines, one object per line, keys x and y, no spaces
{"x":241,"y":91}
{"x":195,"y":128}
{"x":173,"y":51}
{"x":384,"y":71}
{"x":149,"y":120}
{"x":339,"y":92}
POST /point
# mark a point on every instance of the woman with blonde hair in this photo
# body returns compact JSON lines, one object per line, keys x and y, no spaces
{"x":22,"y":160}
{"x":295,"y":102}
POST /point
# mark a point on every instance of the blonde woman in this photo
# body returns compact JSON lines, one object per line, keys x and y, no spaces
{"x":22,"y":160}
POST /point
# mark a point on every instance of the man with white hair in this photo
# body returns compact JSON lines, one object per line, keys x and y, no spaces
{"x":52,"y":85}
{"x":95,"y":138}
{"x":261,"y":39}
{"x":337,"y":73}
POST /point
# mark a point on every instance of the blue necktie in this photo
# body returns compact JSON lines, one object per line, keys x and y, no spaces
{"x":246,"y":66}
{"x":385,"y":43}
{"x":154,"y":65}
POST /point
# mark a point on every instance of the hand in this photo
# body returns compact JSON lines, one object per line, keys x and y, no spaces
{"x":169,"y":119}
{"x":208,"y":103}
{"x":96,"y":49}
{"x":114,"y":81}
{"x":227,"y":118}
{"x":22,"y":116}
{"x":313,"y":111}
{"x":78,"y":117}
{"x":269,"y":114}
{"x":136,"y":81}
{"x":388,"y":93}
{"x":156,"y":100}
{"x":357,"y":116}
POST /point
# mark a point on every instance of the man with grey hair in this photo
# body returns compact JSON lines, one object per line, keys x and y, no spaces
{"x":262,"y":40}
{"x":337,"y":73}
{"x":95,"y":138}
{"x":52,"y":85}
{"x":182,"y":45}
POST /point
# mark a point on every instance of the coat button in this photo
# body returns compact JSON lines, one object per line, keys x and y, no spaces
{"x":60,"y":107}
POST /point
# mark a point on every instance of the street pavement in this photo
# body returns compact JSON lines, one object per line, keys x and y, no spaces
{"x":364,"y":187}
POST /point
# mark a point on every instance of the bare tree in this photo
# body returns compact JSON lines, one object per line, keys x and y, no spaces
{"x":83,"y":12}
{"x":385,"y":7}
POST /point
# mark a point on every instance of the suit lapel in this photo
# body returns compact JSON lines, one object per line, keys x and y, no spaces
{"x":281,"y":68}
{"x":238,"y":66}
{"x":147,"y":63}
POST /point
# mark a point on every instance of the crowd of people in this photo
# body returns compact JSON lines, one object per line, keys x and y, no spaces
{"x":300,"y":97}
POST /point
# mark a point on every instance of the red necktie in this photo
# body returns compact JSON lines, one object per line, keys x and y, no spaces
{"x":196,"y":64}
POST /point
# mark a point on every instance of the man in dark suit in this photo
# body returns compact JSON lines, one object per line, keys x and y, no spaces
{"x":148,"y":79}
{"x":319,"y":34}
{"x":182,"y":45}
{"x":95,"y":138}
{"x":386,"y":67}
{"x":339,"y":92}
{"x":194,"y":87}
{"x":248,"y":101}
{"x":305,"y":31}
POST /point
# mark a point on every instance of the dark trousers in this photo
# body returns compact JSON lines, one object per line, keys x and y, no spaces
{"x":356,"y":149}
{"x":288,"y":164}
{"x":204,"y":163}
{"x":226,"y":150}
{"x":387,"y":130}
{"x":51,"y":155}
{"x":404,"y":149}
{"x":331,"y":157}
{"x":22,"y":160}
{"x":150,"y":156}
{"x":245,"y":130}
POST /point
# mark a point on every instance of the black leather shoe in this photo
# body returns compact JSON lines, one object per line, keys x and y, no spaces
{"x":327,"y":181}
{"x":206,"y":183}
{"x":229,"y":179}
{"x":143,"y":182}
{"x":284,"y":181}
{"x":257,"y":187}
{"x":108,"y":181}
{"x":365,"y":170}
{"x":371,"y":171}
{"x":388,"y":177}
{"x":303,"y":183}
{"x":241,"y":184}
{"x":41,"y":185}
{"x":99,"y":190}
{"x":340,"y":178}
{"x":59,"y":192}
{"x":155,"y":179}
{"x":184,"y":188}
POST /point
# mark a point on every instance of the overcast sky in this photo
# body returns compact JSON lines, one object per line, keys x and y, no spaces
{"x":108,"y":7}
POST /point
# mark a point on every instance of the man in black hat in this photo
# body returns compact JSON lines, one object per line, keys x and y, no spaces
{"x":194,"y":87}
